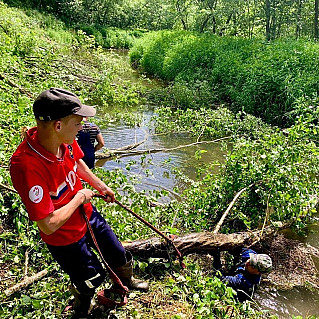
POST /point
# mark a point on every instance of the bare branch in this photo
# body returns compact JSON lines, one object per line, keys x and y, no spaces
{"x":11,"y":83}
{"x":122,"y":153}
{"x":219,"y":224}
{"x":8,"y":188}
{"x":25,"y":282}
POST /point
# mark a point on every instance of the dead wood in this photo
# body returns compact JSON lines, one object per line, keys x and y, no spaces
{"x":204,"y":242}
{"x":293,"y":263}
{"x":219,"y":224}
{"x":25,"y":282}
{"x":11,"y":83}
{"x":122,"y":153}
{"x":121,"y":150}
{"x":8,"y":188}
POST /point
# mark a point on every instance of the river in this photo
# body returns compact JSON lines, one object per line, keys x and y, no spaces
{"x":157,"y":173}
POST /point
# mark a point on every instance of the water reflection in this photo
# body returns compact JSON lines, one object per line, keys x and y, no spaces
{"x":156,"y":170}
{"x":297,"y":301}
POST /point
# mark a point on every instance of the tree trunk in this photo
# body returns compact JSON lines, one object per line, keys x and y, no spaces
{"x":316,"y":33}
{"x":204,"y":24}
{"x":181,"y":11}
{"x":184,"y":24}
{"x":274,"y":25}
{"x":298,"y":20}
{"x":221,"y":32}
{"x":214,"y":25}
{"x":267,"y":11}
{"x":204,"y":242}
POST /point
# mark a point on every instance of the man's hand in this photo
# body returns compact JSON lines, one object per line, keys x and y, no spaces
{"x":86,"y":174}
{"x":108,"y":194}
{"x":87,"y":195}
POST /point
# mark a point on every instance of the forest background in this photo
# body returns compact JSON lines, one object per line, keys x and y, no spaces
{"x":242,"y":70}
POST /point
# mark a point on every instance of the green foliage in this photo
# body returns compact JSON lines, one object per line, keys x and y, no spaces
{"x":279,"y":168}
{"x":209,"y":296}
{"x":38,"y":51}
{"x":111,"y":37}
{"x":208,"y":123}
{"x":237,"y":17}
{"x":154,"y":48}
{"x":265,"y":80}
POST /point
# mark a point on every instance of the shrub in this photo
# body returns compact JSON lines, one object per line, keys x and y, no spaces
{"x":263,"y":79}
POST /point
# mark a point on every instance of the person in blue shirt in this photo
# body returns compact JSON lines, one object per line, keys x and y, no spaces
{"x":248,"y":273}
{"x":86,"y":138}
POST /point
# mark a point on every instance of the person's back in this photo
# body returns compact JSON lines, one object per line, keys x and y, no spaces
{"x":86,"y":139}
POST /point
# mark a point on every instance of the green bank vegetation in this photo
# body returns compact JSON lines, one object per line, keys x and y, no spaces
{"x":268,"y":80}
{"x":39,"y":51}
{"x":273,"y":82}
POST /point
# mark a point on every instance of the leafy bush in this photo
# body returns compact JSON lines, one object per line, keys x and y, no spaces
{"x":279,"y":169}
{"x":263,"y":79}
{"x":108,"y":37}
{"x":149,"y":52}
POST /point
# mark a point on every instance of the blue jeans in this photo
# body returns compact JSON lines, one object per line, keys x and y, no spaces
{"x":81,"y":263}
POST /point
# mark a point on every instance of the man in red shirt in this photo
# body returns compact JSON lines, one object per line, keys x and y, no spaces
{"x":46,"y":170}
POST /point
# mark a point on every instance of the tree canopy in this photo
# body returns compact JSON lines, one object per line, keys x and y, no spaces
{"x":270,"y":19}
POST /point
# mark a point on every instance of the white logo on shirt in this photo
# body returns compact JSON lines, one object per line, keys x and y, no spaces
{"x":71,"y":179}
{"x":36,"y":194}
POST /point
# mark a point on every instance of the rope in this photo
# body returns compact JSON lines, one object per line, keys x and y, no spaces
{"x":179,"y":254}
{"x":113,"y":275}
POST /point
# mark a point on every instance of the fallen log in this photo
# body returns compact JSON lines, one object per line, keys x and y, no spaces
{"x":204,"y":242}
{"x":116,"y":152}
{"x":25,"y":282}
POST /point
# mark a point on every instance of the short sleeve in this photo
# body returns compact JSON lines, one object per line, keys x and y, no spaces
{"x":33,"y":190}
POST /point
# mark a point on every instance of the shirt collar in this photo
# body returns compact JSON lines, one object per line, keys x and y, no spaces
{"x":33,"y":142}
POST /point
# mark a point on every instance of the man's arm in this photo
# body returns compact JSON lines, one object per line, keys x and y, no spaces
{"x":100,"y":142}
{"x":87,"y":175}
{"x":237,"y":282}
{"x":57,"y":218}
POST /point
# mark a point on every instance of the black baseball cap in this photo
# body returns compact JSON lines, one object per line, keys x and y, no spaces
{"x":54,"y":104}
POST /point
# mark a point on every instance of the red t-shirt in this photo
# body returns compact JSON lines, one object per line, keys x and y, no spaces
{"x":46,"y":183}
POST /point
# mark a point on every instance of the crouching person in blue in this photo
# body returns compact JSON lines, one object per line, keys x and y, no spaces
{"x":248,"y":273}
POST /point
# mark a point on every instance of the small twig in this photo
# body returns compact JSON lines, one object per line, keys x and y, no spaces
{"x":8,"y":188}
{"x":230,"y":206}
{"x":201,"y":133}
{"x":26,"y":255}
{"x":266,"y":217}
